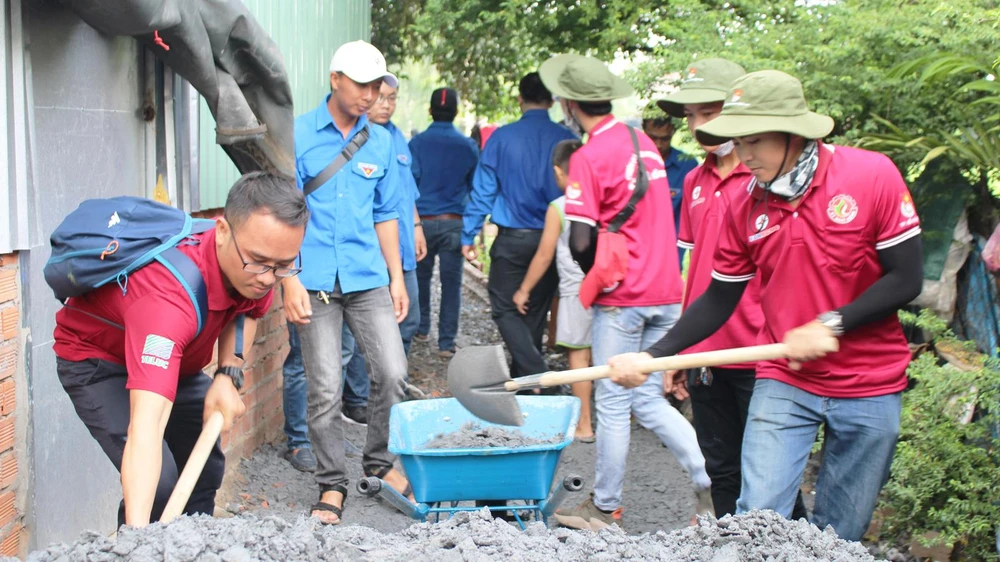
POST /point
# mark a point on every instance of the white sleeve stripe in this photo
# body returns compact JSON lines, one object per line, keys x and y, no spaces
{"x":898,"y":239}
{"x":732,"y":278}
{"x":584,"y":220}
{"x":685,"y":245}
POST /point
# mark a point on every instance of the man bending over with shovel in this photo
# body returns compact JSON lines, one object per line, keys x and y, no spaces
{"x":834,"y":236}
{"x":132,"y":363}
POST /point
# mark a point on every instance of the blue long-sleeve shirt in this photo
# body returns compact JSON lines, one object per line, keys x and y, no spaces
{"x":443,"y":162}
{"x":340,"y":241}
{"x":514,"y":182}
{"x":678,"y":164}
{"x":408,"y":195}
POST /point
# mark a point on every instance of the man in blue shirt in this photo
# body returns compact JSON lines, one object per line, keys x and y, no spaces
{"x":351,"y":271}
{"x":514,"y":184}
{"x":678,"y":164}
{"x":412,"y":248}
{"x":443,"y":162}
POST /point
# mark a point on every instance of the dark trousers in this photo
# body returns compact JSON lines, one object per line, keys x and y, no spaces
{"x":97,"y":390}
{"x":720,"y":416}
{"x":509,"y":259}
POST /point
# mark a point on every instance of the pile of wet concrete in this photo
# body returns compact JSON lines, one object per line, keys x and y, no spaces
{"x":467,"y":536}
{"x":474,"y":436}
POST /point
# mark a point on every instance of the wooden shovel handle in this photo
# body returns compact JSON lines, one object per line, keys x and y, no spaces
{"x":192,"y":469}
{"x":750,"y":354}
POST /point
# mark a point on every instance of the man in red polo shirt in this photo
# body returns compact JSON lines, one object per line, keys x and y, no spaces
{"x":646,"y":303}
{"x":833,"y":234}
{"x":145,"y":382}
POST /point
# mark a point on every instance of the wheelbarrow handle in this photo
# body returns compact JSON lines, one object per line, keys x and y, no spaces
{"x":750,"y":354}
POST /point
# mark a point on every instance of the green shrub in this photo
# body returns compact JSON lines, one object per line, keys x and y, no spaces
{"x":946,"y":473}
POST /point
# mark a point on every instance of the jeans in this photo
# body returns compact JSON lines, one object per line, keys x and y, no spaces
{"x":411,"y":324}
{"x":510,"y":256}
{"x":631,"y":329}
{"x":858,"y":446}
{"x":356,"y":384}
{"x":97,"y":390}
{"x":444,"y":239}
{"x":372,"y":320}
{"x":293,"y":397}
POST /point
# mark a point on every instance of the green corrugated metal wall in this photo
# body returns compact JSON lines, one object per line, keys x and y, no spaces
{"x":307,"y":32}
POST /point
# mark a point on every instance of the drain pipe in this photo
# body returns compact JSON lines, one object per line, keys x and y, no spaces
{"x":374,"y":486}
{"x":570,"y":484}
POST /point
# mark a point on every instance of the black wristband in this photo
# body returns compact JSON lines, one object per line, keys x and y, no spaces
{"x":234,"y":373}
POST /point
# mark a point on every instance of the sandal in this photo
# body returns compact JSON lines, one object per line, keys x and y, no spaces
{"x":381,"y":473}
{"x":323,"y":506}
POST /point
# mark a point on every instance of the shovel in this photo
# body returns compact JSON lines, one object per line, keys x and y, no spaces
{"x":478,"y":376}
{"x":193,"y":467}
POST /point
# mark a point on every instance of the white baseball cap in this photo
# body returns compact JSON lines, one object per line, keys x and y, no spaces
{"x":362,"y":62}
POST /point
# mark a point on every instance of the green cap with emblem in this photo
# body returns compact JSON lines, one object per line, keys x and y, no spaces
{"x":764,"y":102}
{"x":580,"y":78}
{"x":706,"y":81}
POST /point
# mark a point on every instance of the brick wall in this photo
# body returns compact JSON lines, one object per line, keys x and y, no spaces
{"x":264,"y":419}
{"x":10,"y":359}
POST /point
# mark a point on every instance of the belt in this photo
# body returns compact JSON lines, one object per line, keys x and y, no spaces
{"x":441,"y":217}
{"x":522,"y":231}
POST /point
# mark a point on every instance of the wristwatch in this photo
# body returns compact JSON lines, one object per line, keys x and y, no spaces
{"x":832,"y":320}
{"x":234,"y":373}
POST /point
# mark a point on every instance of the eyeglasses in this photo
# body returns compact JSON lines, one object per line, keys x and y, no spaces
{"x":390,"y":99}
{"x":260,"y":269}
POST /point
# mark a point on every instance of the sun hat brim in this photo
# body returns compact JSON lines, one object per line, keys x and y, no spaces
{"x":808,"y":125}
{"x":551,"y":73}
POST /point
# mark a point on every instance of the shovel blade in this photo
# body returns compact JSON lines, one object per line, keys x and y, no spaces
{"x":476,"y":377}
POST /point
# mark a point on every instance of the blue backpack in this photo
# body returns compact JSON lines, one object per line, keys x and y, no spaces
{"x":105,"y":240}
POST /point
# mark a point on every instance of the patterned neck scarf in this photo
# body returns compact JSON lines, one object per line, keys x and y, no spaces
{"x":793,"y":184}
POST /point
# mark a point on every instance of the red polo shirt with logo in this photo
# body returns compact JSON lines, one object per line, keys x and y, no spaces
{"x":601,"y":179}
{"x":707,"y":197}
{"x":821,"y":256}
{"x":158,"y":345}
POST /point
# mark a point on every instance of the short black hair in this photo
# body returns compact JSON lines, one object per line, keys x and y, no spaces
{"x":262,"y":191}
{"x":595,"y":108}
{"x":446,"y":115}
{"x":562,"y":151}
{"x":657,"y":122}
{"x":532,"y":89}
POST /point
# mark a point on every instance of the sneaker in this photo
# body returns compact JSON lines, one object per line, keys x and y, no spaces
{"x":587,"y":517}
{"x":446,"y":353}
{"x":422,"y":338}
{"x":355,"y":414}
{"x":706,"y":506}
{"x":302,"y":459}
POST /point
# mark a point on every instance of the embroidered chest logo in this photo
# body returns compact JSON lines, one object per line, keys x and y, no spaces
{"x":367,"y":169}
{"x":403,"y":159}
{"x":761,"y":222}
{"x":157,"y":351}
{"x":842,"y":209}
{"x":696,"y":192}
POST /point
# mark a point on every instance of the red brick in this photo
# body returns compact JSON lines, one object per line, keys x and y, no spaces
{"x":8,"y":399}
{"x":8,"y":259}
{"x":8,"y":359}
{"x":8,"y":470}
{"x":11,"y":545}
{"x":6,"y":436}
{"x":9,"y":320}
{"x":8,"y":285}
{"x":7,"y":510}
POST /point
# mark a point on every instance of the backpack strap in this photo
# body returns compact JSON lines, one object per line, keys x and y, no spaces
{"x":332,"y":168}
{"x":189,"y":276}
{"x":641,"y":185}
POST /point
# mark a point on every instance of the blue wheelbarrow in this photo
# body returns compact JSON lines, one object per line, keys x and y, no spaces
{"x":442,"y":478}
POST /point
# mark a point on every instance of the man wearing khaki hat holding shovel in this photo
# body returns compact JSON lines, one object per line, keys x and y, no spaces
{"x":833,"y":234}
{"x":618,"y":186}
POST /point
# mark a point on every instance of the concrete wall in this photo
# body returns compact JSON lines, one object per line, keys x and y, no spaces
{"x":88,"y":141}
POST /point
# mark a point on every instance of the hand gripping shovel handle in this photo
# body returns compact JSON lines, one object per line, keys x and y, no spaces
{"x":690,"y":361}
{"x":192,"y":469}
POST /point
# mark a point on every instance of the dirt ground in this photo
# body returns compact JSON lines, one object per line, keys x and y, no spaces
{"x":657,"y":496}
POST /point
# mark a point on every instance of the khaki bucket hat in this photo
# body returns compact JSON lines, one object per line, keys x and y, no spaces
{"x":706,"y":81}
{"x":763,"y":102}
{"x":580,"y":78}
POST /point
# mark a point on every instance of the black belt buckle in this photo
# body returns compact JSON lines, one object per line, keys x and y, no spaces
{"x":700,"y":377}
